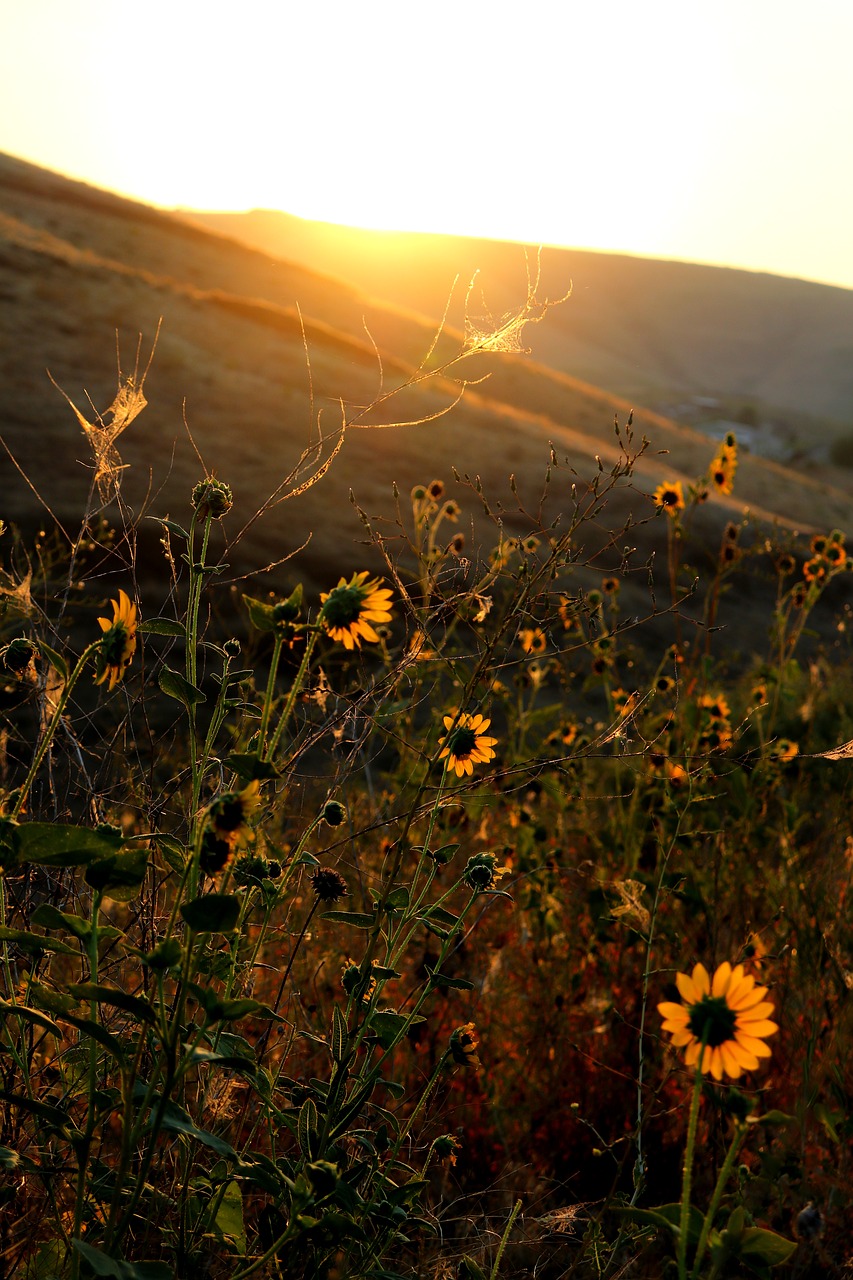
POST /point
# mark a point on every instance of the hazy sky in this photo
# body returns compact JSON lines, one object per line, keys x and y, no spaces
{"x":710,"y":130}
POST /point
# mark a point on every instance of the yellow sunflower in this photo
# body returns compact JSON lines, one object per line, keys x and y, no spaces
{"x":532,"y":639}
{"x":723,"y":470}
{"x":669,"y":497}
{"x":728,"y":1012}
{"x":118,"y":643}
{"x":466,"y":744}
{"x":715,"y":706}
{"x":230,"y":813}
{"x":350,"y":607}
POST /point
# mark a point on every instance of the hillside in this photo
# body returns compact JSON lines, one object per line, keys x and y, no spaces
{"x":79,"y":267}
{"x":668,"y":335}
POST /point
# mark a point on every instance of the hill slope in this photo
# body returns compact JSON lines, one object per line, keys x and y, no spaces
{"x":78,"y":266}
{"x":654,"y":332}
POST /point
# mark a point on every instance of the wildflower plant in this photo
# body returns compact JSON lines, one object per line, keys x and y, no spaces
{"x":314,"y":911}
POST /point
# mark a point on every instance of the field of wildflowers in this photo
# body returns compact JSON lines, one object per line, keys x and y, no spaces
{"x":459,"y":921}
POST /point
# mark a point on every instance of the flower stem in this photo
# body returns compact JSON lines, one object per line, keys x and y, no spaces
{"x":291,"y":698}
{"x":725,"y":1173}
{"x":47,"y":736}
{"x":688,"y":1165}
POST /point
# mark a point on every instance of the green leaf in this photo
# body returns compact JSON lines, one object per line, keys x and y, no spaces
{"x":35,"y":1016}
{"x":212,"y":913}
{"x":55,"y":659}
{"x":756,"y":1242}
{"x":667,"y":1217}
{"x":308,"y":1129}
{"x":387,"y":1026}
{"x":234,"y":1010}
{"x":262,"y":1172}
{"x":228,"y":1223}
{"x":339,"y":1034}
{"x":101,"y":1264}
{"x":261,"y":615}
{"x":468,"y":1269}
{"x":98,"y":1033}
{"x":774,"y":1117}
{"x":358,"y":919}
{"x":829,"y":1119}
{"x":452,"y":984}
{"x":166,"y":955}
{"x":9,"y":1159}
{"x":176,"y":1120}
{"x":161,"y":627}
{"x":174,"y":854}
{"x":229,"y":1062}
{"x":172,"y":526}
{"x":36,"y":943}
{"x":438,"y":915}
{"x":57,"y":844}
{"x":50,"y":1115}
{"x":55,"y":1002}
{"x":175,"y":686}
{"x":119,"y":876}
{"x":249,"y":768}
{"x":136,"y":1006}
{"x":50,"y":918}
{"x":397,"y":900}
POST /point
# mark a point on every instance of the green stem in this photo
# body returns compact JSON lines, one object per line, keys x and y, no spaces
{"x":278,"y":642}
{"x":291,"y":698}
{"x":504,"y":1238}
{"x":687,"y":1176}
{"x":725,"y":1174}
{"x":49,"y":732}
{"x":89,"y":1130}
{"x":431,"y":1083}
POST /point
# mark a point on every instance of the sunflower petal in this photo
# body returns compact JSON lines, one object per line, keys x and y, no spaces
{"x":722,"y":977}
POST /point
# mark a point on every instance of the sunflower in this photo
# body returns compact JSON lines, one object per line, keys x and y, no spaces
{"x":465,"y":743}
{"x":816,"y":569}
{"x":464,"y":1045}
{"x":532,"y":639}
{"x":727,"y":1012}
{"x":118,"y":643}
{"x":350,"y":607}
{"x":715,"y":706}
{"x":669,"y":497}
{"x":723,"y":470}
{"x":229,"y":814}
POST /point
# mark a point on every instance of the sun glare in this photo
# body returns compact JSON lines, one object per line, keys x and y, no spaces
{"x":658,"y":129}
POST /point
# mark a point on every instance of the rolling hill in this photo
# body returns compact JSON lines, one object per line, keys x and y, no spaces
{"x":255,"y":351}
{"x":669,"y":335}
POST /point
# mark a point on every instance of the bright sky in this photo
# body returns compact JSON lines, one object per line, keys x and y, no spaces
{"x":715,"y":131}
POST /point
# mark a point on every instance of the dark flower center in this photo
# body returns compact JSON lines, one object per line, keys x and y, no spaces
{"x":712,"y":1020}
{"x":461,"y":742}
{"x":227,"y":813}
{"x":343,"y":606}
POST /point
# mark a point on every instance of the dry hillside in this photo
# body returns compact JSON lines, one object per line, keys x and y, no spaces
{"x":245,"y":342}
{"x":651,"y":331}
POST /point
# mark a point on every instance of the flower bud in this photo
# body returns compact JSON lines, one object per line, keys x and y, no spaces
{"x":212,"y":498}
